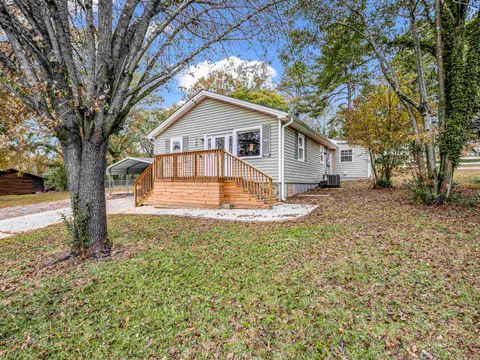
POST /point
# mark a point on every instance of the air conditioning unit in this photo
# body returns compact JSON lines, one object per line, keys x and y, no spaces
{"x":333,"y":181}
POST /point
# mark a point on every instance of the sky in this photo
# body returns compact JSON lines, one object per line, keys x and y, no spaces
{"x":240,"y":51}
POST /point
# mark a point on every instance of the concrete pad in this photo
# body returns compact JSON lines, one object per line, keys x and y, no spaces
{"x":280,"y":212}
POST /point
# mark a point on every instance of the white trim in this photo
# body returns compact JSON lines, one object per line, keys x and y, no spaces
{"x":225,"y":134}
{"x":303,"y":147}
{"x":279,"y":152}
{"x":340,"y":156}
{"x":180,"y":140}
{"x":235,"y":141}
{"x":282,"y":143}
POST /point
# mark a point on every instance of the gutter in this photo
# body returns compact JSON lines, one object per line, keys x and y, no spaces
{"x":282,"y":157}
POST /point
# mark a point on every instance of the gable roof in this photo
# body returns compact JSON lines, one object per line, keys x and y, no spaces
{"x":10,"y":171}
{"x":279,"y":114}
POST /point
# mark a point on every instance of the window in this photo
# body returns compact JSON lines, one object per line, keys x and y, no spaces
{"x":249,"y":142}
{"x":176,"y":145}
{"x":301,"y":147}
{"x":346,"y":155}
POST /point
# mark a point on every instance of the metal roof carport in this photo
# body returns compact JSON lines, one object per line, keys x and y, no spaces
{"x":128,"y":166}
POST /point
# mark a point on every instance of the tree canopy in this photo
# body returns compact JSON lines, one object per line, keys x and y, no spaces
{"x":379,"y":122}
{"x":84,"y":65}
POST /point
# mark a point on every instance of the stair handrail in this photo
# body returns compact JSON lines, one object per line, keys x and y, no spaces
{"x":143,"y":185}
{"x":255,"y":181}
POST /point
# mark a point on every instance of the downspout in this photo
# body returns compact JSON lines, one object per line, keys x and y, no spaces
{"x":279,"y":175}
{"x":282,"y":154}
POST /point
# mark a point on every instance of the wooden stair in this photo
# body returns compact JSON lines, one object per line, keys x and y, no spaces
{"x":143,"y":186}
{"x":241,"y":198}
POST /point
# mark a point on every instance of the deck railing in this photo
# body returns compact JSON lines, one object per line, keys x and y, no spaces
{"x":214,"y":165}
{"x":143,"y":186}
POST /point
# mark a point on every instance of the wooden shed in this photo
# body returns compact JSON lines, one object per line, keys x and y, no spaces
{"x":13,"y":182}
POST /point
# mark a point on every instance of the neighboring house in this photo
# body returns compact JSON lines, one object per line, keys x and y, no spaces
{"x":216,"y":149}
{"x":14,"y":182}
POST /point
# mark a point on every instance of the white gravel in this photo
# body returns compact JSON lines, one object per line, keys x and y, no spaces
{"x":280,"y":212}
{"x":19,"y":224}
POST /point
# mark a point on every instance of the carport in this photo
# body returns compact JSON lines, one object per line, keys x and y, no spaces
{"x":127,"y":166}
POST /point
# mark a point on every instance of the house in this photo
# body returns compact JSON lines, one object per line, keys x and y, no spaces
{"x":351,"y":162}
{"x":14,"y":182}
{"x":217,"y":150}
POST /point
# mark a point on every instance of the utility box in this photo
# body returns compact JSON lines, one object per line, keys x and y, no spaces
{"x":333,"y":181}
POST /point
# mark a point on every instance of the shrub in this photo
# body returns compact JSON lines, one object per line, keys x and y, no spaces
{"x":383,"y":183}
{"x":465,"y":200}
{"x":56,"y":178}
{"x":76,"y":225}
{"x":421,"y":193}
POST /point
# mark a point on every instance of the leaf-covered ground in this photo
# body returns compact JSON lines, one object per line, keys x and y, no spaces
{"x":367,"y":275}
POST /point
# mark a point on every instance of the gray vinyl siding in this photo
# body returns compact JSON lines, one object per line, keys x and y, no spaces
{"x":353,"y":170}
{"x":213,"y":116}
{"x":309,"y":172}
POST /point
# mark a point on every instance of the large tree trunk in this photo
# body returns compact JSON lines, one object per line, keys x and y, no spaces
{"x":85,"y":162}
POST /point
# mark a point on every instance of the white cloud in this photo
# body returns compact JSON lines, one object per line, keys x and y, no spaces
{"x":232,"y":64}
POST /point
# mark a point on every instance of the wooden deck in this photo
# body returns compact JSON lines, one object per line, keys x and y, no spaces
{"x":203,"y":179}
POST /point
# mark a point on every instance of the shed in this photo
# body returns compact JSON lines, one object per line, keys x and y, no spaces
{"x":14,"y":182}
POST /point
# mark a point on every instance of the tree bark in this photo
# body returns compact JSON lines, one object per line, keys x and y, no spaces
{"x":417,"y":143}
{"x":424,"y":109}
{"x":85,"y":163}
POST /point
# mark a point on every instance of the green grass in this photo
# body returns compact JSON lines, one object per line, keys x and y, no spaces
{"x":468,"y":178}
{"x":463,"y":161}
{"x":372,"y":277}
{"x":17,"y":200}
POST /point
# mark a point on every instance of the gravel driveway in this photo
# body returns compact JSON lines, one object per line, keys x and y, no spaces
{"x":15,"y":225}
{"x":16,"y":211}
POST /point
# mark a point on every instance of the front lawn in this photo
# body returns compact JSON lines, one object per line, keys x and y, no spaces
{"x":367,"y":275}
{"x":17,"y":200}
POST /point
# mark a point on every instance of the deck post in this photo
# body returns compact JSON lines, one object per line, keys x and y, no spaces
{"x":270,"y":188}
{"x":195,"y":167}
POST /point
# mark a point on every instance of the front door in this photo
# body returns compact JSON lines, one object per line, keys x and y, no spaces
{"x":222,"y":142}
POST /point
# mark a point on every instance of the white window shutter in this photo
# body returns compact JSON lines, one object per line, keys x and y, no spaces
{"x":167,"y":146}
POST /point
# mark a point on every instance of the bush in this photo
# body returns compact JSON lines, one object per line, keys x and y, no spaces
{"x":56,"y":178}
{"x":465,"y":200}
{"x":421,"y":193}
{"x":383,"y":183}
